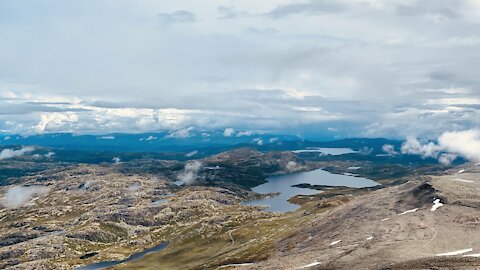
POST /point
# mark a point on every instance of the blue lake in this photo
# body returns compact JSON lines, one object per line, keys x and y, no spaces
{"x":134,"y":257}
{"x":283,"y":184}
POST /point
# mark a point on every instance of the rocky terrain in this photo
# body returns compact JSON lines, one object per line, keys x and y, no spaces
{"x":430,"y":222}
{"x":74,"y":215}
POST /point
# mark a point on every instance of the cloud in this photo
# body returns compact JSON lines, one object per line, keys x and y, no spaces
{"x":181,"y":133}
{"x":116,"y":160}
{"x":389,"y":149}
{"x":18,"y":196}
{"x":257,"y":70}
{"x":180,"y":16}
{"x":464,"y":143}
{"x":151,"y":138}
{"x":309,"y":8}
{"x":412,"y":146}
{"x":258,"y":141}
{"x":247,"y":133}
{"x":450,"y":145}
{"x":191,"y":154}
{"x":190,"y":173}
{"x":56,"y":122}
{"x":228,"y":132}
{"x":11,"y":153}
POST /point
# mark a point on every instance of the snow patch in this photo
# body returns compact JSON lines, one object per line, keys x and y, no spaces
{"x":369,"y":238}
{"x":335,"y":242}
{"x":436,"y":205}
{"x":309,"y":265}
{"x":408,"y":211}
{"x":462,"y":180}
{"x":472,"y":255}
{"x":458,"y":252}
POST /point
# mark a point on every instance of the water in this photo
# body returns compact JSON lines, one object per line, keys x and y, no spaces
{"x":327,"y":151}
{"x":134,"y":257}
{"x":159,"y":202}
{"x":284,"y":183}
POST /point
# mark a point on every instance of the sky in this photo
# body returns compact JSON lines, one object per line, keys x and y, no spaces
{"x":349,"y":68}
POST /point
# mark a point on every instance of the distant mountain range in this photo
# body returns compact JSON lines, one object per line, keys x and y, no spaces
{"x":185,"y":141}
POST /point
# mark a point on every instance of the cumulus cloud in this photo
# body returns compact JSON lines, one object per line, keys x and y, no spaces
{"x":11,"y":153}
{"x":190,"y":173}
{"x":450,"y":145}
{"x":18,"y":196}
{"x":56,"y":122}
{"x":228,"y":132}
{"x":412,"y":146}
{"x":464,"y":143}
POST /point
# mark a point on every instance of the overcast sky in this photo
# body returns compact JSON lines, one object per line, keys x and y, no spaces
{"x":346,"y":68}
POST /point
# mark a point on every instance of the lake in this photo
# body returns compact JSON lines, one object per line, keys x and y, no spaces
{"x":327,"y":151}
{"x":283,"y":184}
{"x":133,"y":257}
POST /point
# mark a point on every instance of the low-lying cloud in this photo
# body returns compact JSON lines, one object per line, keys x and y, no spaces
{"x":450,"y":145}
{"x":18,"y":196}
{"x":11,"y":153}
{"x":190,"y":173}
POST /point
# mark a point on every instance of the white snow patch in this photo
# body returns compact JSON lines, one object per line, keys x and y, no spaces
{"x":461,"y":171}
{"x":462,"y":180}
{"x":408,"y":211}
{"x":354,"y":168}
{"x":335,"y":242}
{"x":369,"y":238}
{"x":309,"y":265}
{"x":458,"y":252}
{"x":385,"y":219}
{"x":472,"y":255}
{"x":436,"y":205}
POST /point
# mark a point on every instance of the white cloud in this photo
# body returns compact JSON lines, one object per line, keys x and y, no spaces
{"x":151,"y":138}
{"x":181,"y":133}
{"x":18,"y":196}
{"x":464,"y":143}
{"x":258,"y":141}
{"x":246,"y":133}
{"x":389,"y":149}
{"x":450,"y":145}
{"x":238,"y":75}
{"x":191,"y":154}
{"x":190,"y":173}
{"x":11,"y":153}
{"x":228,"y":132}
{"x":414,"y":147}
{"x":56,"y":122}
